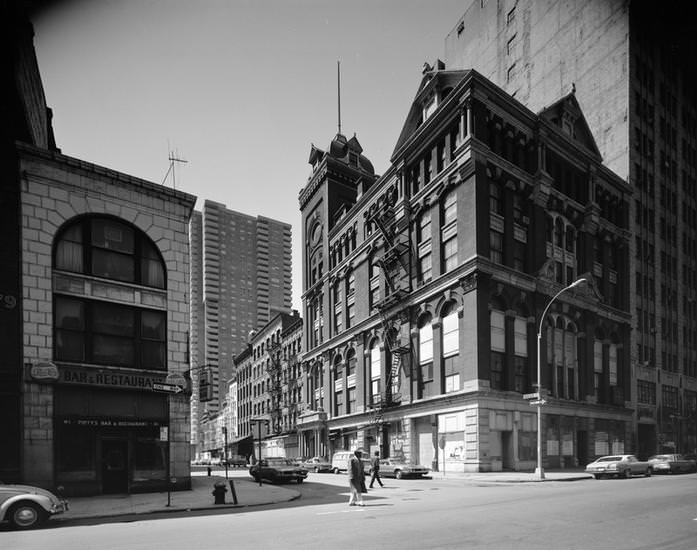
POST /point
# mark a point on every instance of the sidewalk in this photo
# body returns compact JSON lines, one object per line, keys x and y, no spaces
{"x":199,"y":498}
{"x":513,"y":477}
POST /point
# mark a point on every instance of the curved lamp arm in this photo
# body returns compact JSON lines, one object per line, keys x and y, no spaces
{"x":572,"y":285}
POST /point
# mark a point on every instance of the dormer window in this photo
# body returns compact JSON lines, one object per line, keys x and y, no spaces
{"x":353,"y":159}
{"x":430,"y":107}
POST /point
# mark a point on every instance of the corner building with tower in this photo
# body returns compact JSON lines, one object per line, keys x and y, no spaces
{"x":423,"y":287}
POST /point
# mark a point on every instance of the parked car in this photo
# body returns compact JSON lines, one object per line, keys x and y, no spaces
{"x":671,"y":464}
{"x":618,"y":466}
{"x":340,"y":461}
{"x":26,"y":507}
{"x":392,"y":467}
{"x":277,"y":469}
{"x":317,"y":464}
{"x":236,"y":461}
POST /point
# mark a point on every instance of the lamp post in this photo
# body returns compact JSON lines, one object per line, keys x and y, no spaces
{"x":539,"y":471}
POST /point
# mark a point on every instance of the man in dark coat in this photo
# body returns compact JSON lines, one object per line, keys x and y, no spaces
{"x":356,"y":479}
{"x":375,"y":469}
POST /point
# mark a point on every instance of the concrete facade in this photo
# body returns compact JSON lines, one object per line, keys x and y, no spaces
{"x":631,"y":65}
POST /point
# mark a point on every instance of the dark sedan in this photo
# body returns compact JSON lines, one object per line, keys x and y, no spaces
{"x":277,"y":469}
{"x":671,"y":464}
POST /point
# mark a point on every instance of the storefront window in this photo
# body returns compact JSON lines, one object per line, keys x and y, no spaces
{"x":149,"y":455}
{"x":75,"y":449}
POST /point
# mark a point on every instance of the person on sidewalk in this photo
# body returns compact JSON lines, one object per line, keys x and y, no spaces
{"x":375,"y":469}
{"x":356,"y":478}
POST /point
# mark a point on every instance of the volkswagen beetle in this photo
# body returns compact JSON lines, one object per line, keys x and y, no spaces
{"x":26,"y":507}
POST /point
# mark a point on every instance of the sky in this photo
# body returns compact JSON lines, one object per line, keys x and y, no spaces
{"x":239,"y":89}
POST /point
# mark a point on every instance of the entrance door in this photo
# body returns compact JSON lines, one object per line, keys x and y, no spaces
{"x":114,"y":466}
{"x":508,"y":457}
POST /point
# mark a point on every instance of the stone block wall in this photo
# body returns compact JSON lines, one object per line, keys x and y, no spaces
{"x":54,"y":190}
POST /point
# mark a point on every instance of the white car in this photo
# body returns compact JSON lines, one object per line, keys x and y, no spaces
{"x":390,"y":467}
{"x":26,"y":507}
{"x":618,"y":466}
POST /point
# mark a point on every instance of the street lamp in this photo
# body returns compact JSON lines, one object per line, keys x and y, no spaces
{"x":539,"y":471}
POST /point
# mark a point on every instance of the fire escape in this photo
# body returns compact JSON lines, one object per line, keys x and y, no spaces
{"x":275,"y":371}
{"x":392,"y":220}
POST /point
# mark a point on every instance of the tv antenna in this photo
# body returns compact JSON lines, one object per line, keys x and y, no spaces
{"x":173,"y":157}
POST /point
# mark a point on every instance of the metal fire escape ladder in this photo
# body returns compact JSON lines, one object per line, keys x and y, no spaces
{"x":274,"y":371}
{"x":395,"y":264}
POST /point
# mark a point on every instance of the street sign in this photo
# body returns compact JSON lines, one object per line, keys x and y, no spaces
{"x":535,"y":395}
{"x":176,"y":379}
{"x":538,"y":402}
{"x":167,"y":388}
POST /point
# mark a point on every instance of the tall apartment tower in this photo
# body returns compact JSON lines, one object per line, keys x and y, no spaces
{"x":631,"y":66}
{"x":241,"y":278}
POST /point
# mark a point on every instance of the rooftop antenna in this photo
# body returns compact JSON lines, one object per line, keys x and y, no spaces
{"x":173,"y":157}
{"x":338,"y":92}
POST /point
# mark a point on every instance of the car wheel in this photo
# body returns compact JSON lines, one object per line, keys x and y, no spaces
{"x":597,"y":476}
{"x":398,"y":474}
{"x":649,"y":471}
{"x":336,"y":470}
{"x":317,"y":469}
{"x":300,"y":480}
{"x":27,"y":515}
{"x":627,"y":474}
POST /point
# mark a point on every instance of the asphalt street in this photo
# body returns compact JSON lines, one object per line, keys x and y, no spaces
{"x":641,"y":513}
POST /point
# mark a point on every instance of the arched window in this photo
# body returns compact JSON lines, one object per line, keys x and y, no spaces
{"x":451,"y":347}
{"x":316,"y":267}
{"x":94,"y":331}
{"x":105,"y":247}
{"x":425,"y":354}
{"x":562,"y":357}
{"x":375,"y":371}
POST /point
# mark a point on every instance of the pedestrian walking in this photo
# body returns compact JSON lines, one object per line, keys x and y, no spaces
{"x":356,"y":479}
{"x":375,"y":469}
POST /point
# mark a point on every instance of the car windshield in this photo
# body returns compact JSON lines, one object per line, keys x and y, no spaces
{"x":609,"y":459}
{"x":279,"y":462}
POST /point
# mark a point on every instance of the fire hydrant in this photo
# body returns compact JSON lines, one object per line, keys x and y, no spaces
{"x":219,"y":491}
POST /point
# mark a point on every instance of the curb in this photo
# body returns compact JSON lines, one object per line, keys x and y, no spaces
{"x":484,"y":480}
{"x":172,"y":509}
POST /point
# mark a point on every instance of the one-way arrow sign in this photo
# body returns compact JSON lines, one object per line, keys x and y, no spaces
{"x":166,"y":388}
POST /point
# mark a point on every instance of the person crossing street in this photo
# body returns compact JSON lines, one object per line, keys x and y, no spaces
{"x":375,"y":469}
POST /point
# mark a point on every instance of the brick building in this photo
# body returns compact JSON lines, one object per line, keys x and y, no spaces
{"x":631,"y":64}
{"x":268,"y":384}
{"x":423,"y":287}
